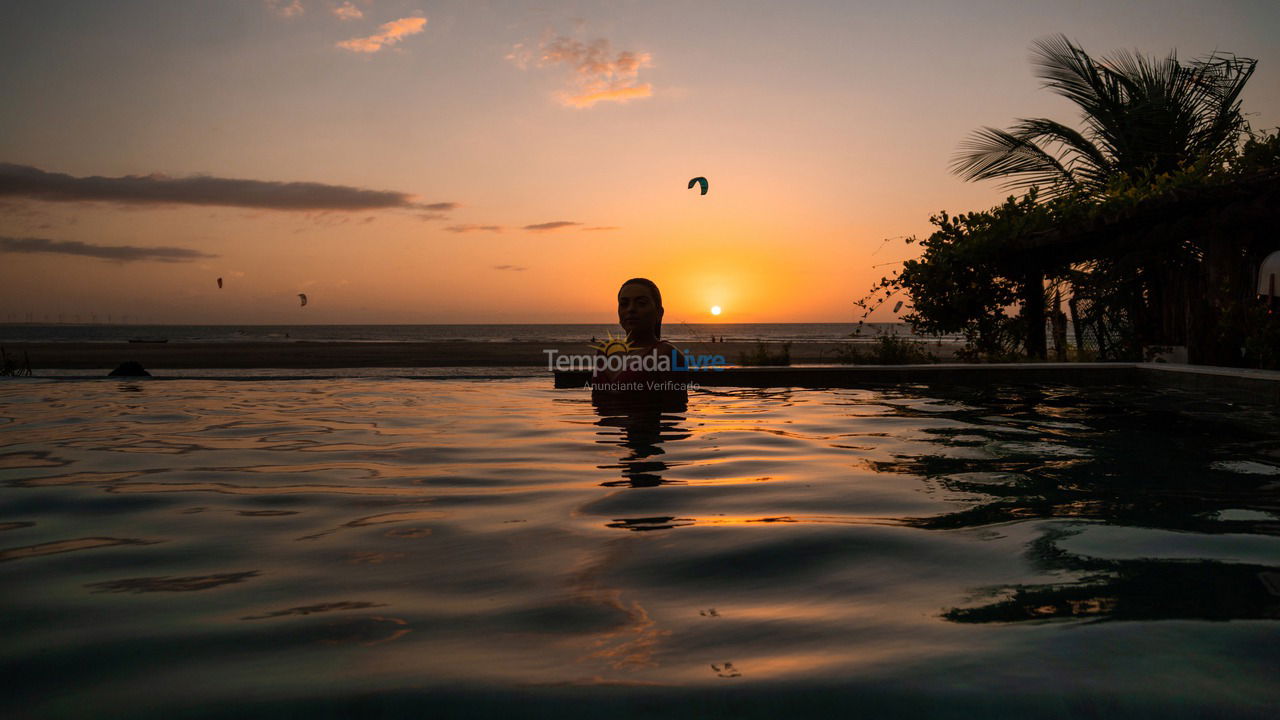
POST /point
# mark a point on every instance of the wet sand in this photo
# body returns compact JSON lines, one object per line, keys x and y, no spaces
{"x":67,"y":356}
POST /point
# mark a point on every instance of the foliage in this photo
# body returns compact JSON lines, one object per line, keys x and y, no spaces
{"x":11,"y":367}
{"x":762,"y":355}
{"x":1154,"y":132}
{"x":966,"y":280}
{"x":1259,"y":326}
{"x":886,"y":350}
{"x":1140,"y":115}
{"x":1260,"y":155}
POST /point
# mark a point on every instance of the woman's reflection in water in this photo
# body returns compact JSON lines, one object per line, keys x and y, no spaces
{"x":643,"y":425}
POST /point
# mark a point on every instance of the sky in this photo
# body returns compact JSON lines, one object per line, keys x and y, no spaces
{"x":413,"y":161}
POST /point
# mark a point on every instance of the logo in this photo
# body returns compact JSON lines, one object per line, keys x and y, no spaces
{"x":615,"y":354}
{"x":612,"y":345}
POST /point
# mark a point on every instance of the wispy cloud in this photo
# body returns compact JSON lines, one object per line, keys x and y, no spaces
{"x":601,"y":227}
{"x":285,"y":8}
{"x":514,"y":268}
{"x":596,"y":73}
{"x":347,"y":11}
{"x":474,"y":228}
{"x":389,"y":34}
{"x":119,"y":253}
{"x":556,"y":225}
{"x":156,"y":189}
{"x":437,"y":211}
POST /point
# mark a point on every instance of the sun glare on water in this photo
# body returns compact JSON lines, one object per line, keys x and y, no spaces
{"x":715,"y":309}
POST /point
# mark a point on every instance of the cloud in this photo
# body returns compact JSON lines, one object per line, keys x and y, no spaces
{"x":279,"y":7}
{"x":601,"y":227}
{"x":389,"y":34}
{"x":543,"y":227}
{"x":156,"y":189}
{"x":119,"y":253}
{"x":619,"y":95}
{"x":596,"y":73}
{"x":474,"y":228}
{"x":347,"y":11}
{"x":515,"y":268}
{"x":437,"y":211}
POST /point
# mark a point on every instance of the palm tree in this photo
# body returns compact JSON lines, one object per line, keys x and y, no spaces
{"x":1140,"y":115}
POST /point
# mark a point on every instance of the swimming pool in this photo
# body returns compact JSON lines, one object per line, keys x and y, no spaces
{"x":499,"y":547}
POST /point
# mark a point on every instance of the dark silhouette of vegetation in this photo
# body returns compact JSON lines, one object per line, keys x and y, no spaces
{"x":1141,"y":116}
{"x":11,"y":367}
{"x":1148,"y":226}
{"x":762,"y":355}
{"x":886,"y":350}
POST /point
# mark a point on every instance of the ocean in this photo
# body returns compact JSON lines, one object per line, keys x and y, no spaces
{"x":560,"y":332}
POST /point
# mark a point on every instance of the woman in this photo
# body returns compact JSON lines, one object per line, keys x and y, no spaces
{"x":651,"y":365}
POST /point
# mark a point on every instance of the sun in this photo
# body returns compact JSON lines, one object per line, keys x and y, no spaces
{"x":715,"y":309}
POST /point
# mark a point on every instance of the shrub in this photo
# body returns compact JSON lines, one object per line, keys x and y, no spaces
{"x":762,"y":355}
{"x":887,"y":350}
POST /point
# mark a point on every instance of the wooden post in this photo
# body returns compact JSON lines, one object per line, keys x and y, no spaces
{"x":1075,"y":322}
{"x":1059,"y":324}
{"x":1033,"y":314}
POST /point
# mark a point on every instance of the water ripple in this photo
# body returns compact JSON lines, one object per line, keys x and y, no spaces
{"x":375,"y":534}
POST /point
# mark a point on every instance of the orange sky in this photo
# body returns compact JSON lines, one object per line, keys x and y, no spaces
{"x":823,"y":129}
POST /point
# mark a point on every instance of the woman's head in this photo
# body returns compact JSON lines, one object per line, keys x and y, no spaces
{"x":640,"y":309}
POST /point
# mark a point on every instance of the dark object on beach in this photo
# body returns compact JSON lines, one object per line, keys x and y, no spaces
{"x":148,"y":339}
{"x":129,"y":368}
{"x":11,"y":367}
{"x":700,"y":181}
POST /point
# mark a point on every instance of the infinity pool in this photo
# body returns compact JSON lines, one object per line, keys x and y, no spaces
{"x":499,"y":548}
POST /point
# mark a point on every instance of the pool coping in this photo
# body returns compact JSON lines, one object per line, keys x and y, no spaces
{"x":1253,"y":385}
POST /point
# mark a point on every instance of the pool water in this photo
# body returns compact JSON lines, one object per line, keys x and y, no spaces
{"x":398,"y":547}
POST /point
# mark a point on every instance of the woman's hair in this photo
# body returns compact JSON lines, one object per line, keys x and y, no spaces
{"x":657,"y":300}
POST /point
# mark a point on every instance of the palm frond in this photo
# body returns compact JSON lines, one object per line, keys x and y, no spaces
{"x":1068,"y":70}
{"x":1140,"y":115}
{"x":1221,"y":80}
{"x":991,"y":153}
{"x":1084,"y":161}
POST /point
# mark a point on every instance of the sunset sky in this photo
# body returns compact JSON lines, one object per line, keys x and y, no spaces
{"x":514,"y":161}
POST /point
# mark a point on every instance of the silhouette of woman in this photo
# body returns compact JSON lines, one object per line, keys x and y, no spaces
{"x":650,"y":366}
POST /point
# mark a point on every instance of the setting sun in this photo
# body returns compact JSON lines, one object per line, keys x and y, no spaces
{"x":715,"y":309}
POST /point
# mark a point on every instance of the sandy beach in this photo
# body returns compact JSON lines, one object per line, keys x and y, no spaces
{"x":85,"y":356}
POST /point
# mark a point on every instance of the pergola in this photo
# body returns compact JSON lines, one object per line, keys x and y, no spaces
{"x":1228,"y":229}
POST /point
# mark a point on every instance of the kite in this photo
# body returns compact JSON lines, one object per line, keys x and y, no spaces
{"x":700,"y":181}
{"x":303,"y":298}
{"x":897,"y":307}
{"x":219,"y":283}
